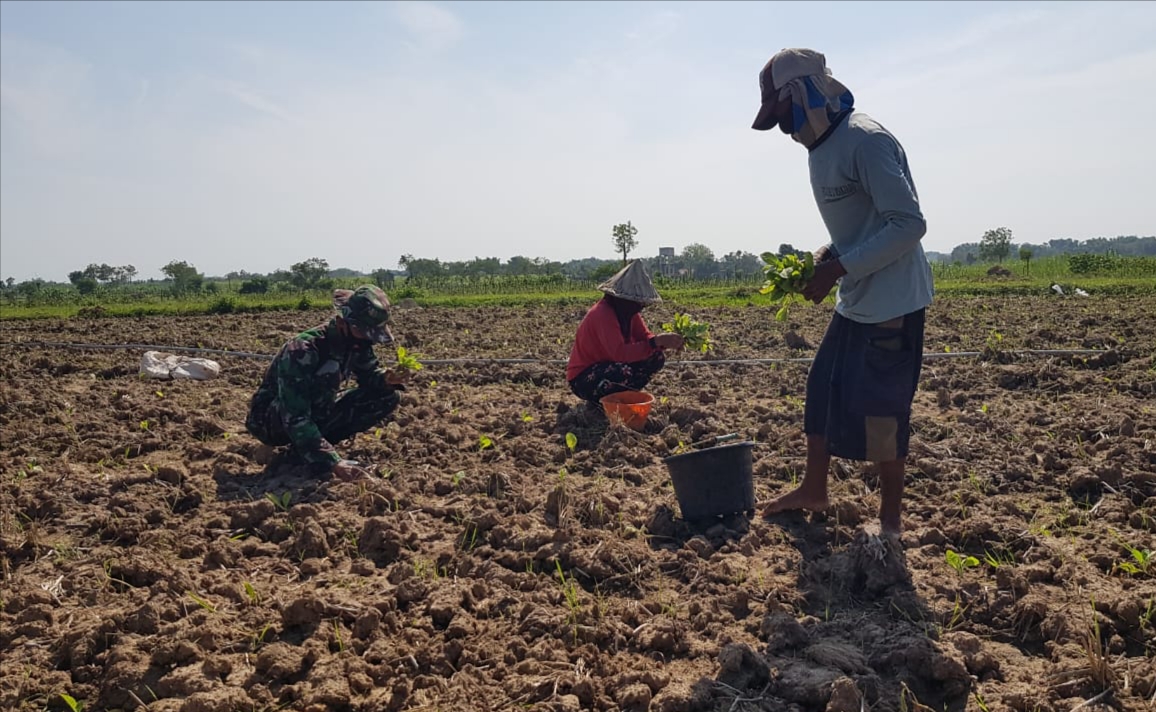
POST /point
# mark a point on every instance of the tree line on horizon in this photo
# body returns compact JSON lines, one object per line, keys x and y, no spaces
{"x":695,"y":261}
{"x":997,"y":245}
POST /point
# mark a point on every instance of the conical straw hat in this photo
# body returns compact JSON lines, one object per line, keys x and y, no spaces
{"x":631,"y":283}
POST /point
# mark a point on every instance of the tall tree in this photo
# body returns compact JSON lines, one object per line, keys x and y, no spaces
{"x":995,"y":244}
{"x":84,"y":283}
{"x":740,"y":264}
{"x":418,"y":268}
{"x":124,"y":273}
{"x":1026,"y":258}
{"x":103,"y":272}
{"x":185,"y":277}
{"x":519,"y":265}
{"x":382,"y":278}
{"x":699,"y":259}
{"x":624,"y":240}
{"x":309,"y":274}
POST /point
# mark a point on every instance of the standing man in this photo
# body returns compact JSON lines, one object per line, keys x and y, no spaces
{"x":865,"y":374}
{"x":301,"y":402}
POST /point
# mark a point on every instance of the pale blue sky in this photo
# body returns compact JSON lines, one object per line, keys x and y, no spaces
{"x":254,"y":135}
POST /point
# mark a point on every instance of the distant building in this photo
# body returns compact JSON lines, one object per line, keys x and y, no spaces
{"x":666,"y":261}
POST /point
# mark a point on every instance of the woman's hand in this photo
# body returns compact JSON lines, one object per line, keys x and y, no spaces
{"x":669,"y":342}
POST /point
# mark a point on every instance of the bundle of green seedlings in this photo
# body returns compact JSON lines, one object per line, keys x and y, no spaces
{"x":407,"y":361}
{"x":695,"y":333}
{"x":786,"y":278}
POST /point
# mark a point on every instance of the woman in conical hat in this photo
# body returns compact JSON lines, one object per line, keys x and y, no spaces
{"x":613,"y":349}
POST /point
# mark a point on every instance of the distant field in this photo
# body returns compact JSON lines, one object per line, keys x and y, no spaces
{"x":1097,"y":274}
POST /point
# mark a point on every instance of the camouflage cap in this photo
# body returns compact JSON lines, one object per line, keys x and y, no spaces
{"x":367,"y":308}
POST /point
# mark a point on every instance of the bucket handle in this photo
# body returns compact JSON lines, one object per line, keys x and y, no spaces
{"x":711,"y":442}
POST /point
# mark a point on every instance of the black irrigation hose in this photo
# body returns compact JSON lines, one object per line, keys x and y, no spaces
{"x":549,"y":362}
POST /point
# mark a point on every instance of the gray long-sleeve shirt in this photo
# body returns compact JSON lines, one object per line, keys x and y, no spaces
{"x":868,"y":201}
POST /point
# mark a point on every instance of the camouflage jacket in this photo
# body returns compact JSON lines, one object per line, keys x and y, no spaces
{"x":304,"y":379}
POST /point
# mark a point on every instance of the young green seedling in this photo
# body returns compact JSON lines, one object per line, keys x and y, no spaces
{"x":997,"y":558}
{"x":981,"y":702}
{"x":469,"y":537}
{"x":281,"y":502}
{"x":259,"y":637}
{"x":994,"y":340}
{"x":786,"y":278}
{"x":1143,"y":561}
{"x":485,"y":442}
{"x":1149,"y":614}
{"x":203,"y":603}
{"x":960,"y":563}
{"x":254,"y":597}
{"x":695,"y":333}
{"x":571,"y":442}
{"x":569,"y":592}
{"x":71,"y":702}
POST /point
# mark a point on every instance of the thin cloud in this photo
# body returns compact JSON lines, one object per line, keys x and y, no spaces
{"x":430,"y":26}
{"x":254,"y":101}
{"x":973,"y":36}
{"x":656,"y":29}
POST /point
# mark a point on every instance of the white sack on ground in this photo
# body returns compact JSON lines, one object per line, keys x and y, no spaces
{"x":163,"y":366}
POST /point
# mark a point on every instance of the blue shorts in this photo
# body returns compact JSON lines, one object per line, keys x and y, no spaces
{"x":861,"y":385}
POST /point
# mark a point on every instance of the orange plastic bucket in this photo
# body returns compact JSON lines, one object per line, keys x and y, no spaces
{"x":628,"y":407}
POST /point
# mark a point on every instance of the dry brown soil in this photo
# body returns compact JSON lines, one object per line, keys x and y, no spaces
{"x":144,"y":563}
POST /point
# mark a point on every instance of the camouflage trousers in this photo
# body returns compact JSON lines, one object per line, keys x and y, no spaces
{"x":602,"y":379}
{"x":353,"y":411}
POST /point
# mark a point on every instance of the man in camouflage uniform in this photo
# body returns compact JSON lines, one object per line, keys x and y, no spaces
{"x":300,"y":402}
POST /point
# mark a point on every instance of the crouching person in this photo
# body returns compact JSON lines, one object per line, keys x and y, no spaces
{"x":301,"y":402}
{"x":614,"y":350}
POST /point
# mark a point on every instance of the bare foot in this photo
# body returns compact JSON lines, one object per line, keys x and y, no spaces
{"x":796,"y":499}
{"x":891,"y":528}
{"x":348,"y":471}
